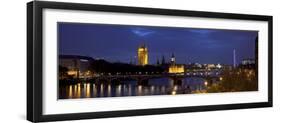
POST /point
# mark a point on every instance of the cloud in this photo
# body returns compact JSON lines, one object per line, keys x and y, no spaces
{"x":142,"y":31}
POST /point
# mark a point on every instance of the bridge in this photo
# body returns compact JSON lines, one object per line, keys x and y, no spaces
{"x":143,"y":78}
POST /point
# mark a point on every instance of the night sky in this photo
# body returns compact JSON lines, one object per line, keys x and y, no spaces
{"x":119,"y":43}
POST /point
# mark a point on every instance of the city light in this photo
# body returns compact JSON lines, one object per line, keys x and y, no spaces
{"x":174,"y":92}
{"x":206,"y":83}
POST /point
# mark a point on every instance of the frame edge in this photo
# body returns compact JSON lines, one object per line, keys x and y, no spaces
{"x":270,"y":60}
{"x":30,"y":87}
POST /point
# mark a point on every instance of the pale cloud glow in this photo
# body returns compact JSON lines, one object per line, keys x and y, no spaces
{"x":142,"y":31}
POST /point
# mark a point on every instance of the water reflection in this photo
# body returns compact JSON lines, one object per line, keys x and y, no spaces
{"x":158,"y":86}
{"x":88,"y":94}
{"x":109,"y":90}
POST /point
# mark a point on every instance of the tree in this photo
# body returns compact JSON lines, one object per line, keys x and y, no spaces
{"x":236,"y":80}
{"x":63,"y":72}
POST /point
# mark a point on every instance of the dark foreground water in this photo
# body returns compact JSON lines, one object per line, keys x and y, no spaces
{"x":159,"y":86}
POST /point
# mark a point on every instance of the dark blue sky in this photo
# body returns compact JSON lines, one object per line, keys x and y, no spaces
{"x":119,"y":43}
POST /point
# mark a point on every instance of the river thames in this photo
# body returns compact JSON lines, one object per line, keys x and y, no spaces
{"x":156,"y":86}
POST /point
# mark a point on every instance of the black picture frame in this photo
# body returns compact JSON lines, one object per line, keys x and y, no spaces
{"x":35,"y":69}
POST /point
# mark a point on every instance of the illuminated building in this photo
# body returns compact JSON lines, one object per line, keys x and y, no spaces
{"x":198,"y":65}
{"x":142,"y":55}
{"x":248,"y":61}
{"x":211,"y":66}
{"x":77,"y":66}
{"x":248,"y":64}
{"x":175,"y":68}
{"x":219,"y":66}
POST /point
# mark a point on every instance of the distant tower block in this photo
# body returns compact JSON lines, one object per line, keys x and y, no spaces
{"x":234,"y":58}
{"x":142,"y":55}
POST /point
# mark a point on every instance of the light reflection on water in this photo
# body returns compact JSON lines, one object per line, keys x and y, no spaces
{"x":159,"y":86}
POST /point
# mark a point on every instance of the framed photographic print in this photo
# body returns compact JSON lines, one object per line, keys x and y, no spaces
{"x":95,"y":61}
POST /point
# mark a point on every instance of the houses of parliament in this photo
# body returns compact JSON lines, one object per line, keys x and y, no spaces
{"x":142,"y":53}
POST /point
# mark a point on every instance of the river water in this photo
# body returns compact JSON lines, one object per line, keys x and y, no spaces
{"x":159,"y":86}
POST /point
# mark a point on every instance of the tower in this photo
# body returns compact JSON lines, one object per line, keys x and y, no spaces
{"x":142,"y":55}
{"x":175,"y":68}
{"x":234,"y":58}
{"x":157,"y":62}
{"x":163,"y":60}
{"x":173,"y":59}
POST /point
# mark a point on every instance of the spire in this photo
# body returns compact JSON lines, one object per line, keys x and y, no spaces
{"x":157,"y":62}
{"x":173,"y":59}
{"x":163,"y":60}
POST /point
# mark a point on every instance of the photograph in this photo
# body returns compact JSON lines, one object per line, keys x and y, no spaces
{"x":111,"y":60}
